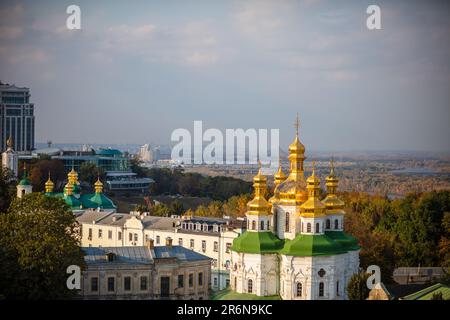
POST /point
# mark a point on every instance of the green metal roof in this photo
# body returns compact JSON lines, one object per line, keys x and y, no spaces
{"x":108,"y":152}
{"x":427,"y":293}
{"x":72,"y":201}
{"x":346,"y":241}
{"x":24,"y":182}
{"x":311,"y":245}
{"x":257,"y":242}
{"x":96,"y":200}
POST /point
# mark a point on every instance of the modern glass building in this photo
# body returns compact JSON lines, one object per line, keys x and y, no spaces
{"x":16,"y":118}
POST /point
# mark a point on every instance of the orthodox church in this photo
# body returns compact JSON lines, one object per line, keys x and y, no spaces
{"x":295,"y":246}
{"x":72,"y":195}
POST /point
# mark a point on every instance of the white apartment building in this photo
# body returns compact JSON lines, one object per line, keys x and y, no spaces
{"x":212,"y":237}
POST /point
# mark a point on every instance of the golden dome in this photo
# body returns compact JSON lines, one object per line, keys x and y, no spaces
{"x":296,"y":146}
{"x":279,"y":176}
{"x":49,"y":185}
{"x":313,"y":207}
{"x":68,"y":189}
{"x":259,"y":205}
{"x":9,"y":142}
{"x":73,"y":176}
{"x":332,"y":202}
{"x":98,"y":186}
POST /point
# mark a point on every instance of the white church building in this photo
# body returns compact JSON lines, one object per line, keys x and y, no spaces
{"x":295,"y":246}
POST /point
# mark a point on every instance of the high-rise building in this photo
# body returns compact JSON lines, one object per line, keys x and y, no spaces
{"x":16,"y":118}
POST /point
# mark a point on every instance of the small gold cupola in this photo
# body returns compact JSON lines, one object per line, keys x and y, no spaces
{"x":259,"y":205}
{"x":72,"y":177}
{"x":313,"y":207}
{"x":332,"y":202}
{"x":98,"y":186}
{"x":49,"y":185}
{"x":278,"y":178}
{"x":68,"y":189}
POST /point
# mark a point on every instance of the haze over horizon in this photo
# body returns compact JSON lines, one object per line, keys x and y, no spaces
{"x":135,"y":72}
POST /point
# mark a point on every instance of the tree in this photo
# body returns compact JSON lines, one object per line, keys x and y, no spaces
{"x":40,"y":170}
{"x":38,"y":241}
{"x":176,"y":207}
{"x":160,"y":210}
{"x":7,"y":188}
{"x":437,"y":296}
{"x":357,"y":287}
{"x":90,"y":172}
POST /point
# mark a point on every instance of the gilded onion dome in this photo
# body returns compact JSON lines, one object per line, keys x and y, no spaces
{"x":293,"y":189}
{"x":68,"y":189}
{"x":73,"y":176}
{"x":332,"y":202}
{"x":98,"y":186}
{"x":278,"y":178}
{"x":49,"y":185}
{"x":259,"y":205}
{"x":313,"y":207}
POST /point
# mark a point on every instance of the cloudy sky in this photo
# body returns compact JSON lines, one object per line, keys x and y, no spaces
{"x":140,"y":69}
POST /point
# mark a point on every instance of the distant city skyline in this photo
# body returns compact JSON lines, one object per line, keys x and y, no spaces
{"x":136,"y":72}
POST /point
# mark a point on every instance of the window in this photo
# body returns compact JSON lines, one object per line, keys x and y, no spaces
{"x":317,"y":228}
{"x":90,"y":233}
{"x":191,"y":244}
{"x":180,"y":281}
{"x":321,"y":289}
{"x":216,"y":246}
{"x":127,"y":283}
{"x":109,"y":234}
{"x":135,"y":237}
{"x":268,"y":225}
{"x":191,"y":280}
{"x":337,"y":288}
{"x":215,"y":282}
{"x":299,"y":289}
{"x":253,"y":225}
{"x":144,"y":281}
{"x":228,"y":247}
{"x":203,"y":245}
{"x":94,"y":284}
{"x":250,"y":286}
{"x":262,"y":225}
{"x":235,"y":283}
{"x":308,"y":227}
{"x":130,"y":237}
{"x":200,"y":279}
{"x":119,"y":235}
{"x":287,"y":222}
{"x":111,"y":283}
{"x":158,"y":239}
{"x":227,"y":283}
{"x":100,"y":233}
{"x":336,"y":224}
{"x":180,"y":242}
{"x":328,"y":224}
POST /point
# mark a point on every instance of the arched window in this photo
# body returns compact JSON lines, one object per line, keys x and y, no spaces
{"x":250,"y":286}
{"x":317,"y":228}
{"x":287,"y":222}
{"x":299,"y":289}
{"x":268,"y":225}
{"x":328,"y":224}
{"x":336,"y":224}
{"x":262,"y":225}
{"x":337,"y":288}
{"x":308,"y":227}
{"x":321,"y":289}
{"x":253,"y":225}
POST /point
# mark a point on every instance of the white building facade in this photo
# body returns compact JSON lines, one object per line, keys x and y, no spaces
{"x":295,"y":246}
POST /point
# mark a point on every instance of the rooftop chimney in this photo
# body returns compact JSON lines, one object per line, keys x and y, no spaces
{"x":169,"y":242}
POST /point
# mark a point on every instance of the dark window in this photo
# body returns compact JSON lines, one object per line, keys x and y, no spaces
{"x":216,"y":246}
{"x":111,"y":282}
{"x":321,"y":289}
{"x":94,"y":284}
{"x":109,"y":234}
{"x":337,"y":288}
{"x":253,"y":225}
{"x":203,"y":245}
{"x":191,"y":280}
{"x":268,"y":225}
{"x":130,"y":237}
{"x":250,"y":286}
{"x":180,"y":281}
{"x":127,"y":283}
{"x":200,"y":279}
{"x":328,"y":224}
{"x":287,"y":222}
{"x":317,"y":228}
{"x":90,"y":233}
{"x":144,"y":281}
{"x":228,"y":247}
{"x":308,"y":227}
{"x":299,"y":289}
{"x":157,"y":239}
{"x":180,"y":242}
{"x":192,"y":243}
{"x":262,"y":225}
{"x":100,"y":233}
{"x":336,"y":224}
{"x":321,"y":273}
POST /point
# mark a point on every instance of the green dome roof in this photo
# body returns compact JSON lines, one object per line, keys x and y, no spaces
{"x":346,"y":241}
{"x":76,"y":188}
{"x":311,"y":245}
{"x":257,"y":242}
{"x":96,"y":200}
{"x":24,"y":182}
{"x":72,"y":201}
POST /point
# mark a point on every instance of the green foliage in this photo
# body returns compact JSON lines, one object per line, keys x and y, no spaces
{"x":40,"y":169}
{"x":90,"y":172}
{"x":7,"y":188}
{"x":357,"y":287}
{"x":38,"y":241}
{"x":437,"y":296}
{"x":236,"y":206}
{"x":176,"y":207}
{"x":160,"y":210}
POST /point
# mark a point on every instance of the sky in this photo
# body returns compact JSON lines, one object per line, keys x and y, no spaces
{"x":137,"y":70}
